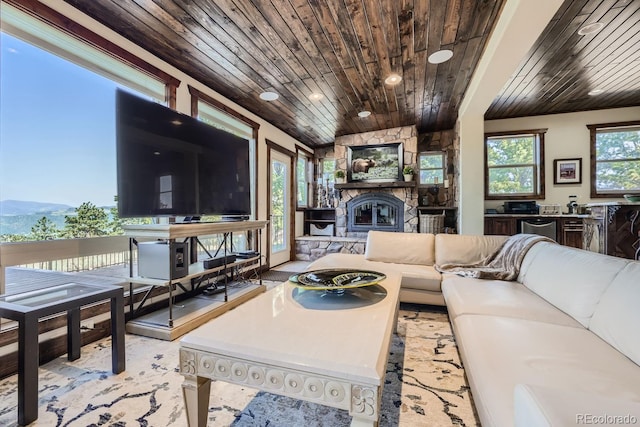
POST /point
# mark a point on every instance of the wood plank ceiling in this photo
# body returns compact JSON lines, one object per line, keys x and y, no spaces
{"x":344,"y":49}
{"x":564,"y":66}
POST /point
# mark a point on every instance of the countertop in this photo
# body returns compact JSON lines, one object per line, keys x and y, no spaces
{"x":504,"y":215}
{"x":613,"y":204}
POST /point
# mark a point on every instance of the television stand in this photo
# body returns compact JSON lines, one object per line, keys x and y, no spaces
{"x":193,"y":312}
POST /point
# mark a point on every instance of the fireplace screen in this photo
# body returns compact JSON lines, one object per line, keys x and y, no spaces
{"x":375,"y":212}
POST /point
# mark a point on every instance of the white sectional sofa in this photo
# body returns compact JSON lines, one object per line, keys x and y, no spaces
{"x":559,"y":346}
{"x":414,"y":256}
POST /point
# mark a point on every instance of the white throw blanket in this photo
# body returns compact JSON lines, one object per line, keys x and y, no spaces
{"x":503,"y":264}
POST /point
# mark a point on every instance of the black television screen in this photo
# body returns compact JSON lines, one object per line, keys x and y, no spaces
{"x":171,"y":164}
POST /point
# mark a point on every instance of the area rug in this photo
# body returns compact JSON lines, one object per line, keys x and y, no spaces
{"x":277,"y":275}
{"x":424,"y":386}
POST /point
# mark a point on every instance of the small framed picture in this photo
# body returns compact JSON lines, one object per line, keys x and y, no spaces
{"x":567,"y":171}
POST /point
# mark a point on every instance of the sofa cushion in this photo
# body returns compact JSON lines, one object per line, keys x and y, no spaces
{"x":421,"y":277}
{"x":418,"y":277}
{"x":617,"y":317}
{"x":337,"y":260}
{"x":465,"y":249}
{"x":477,"y":296}
{"x":571,"y":279}
{"x":500,"y":352}
{"x":402,"y":248}
{"x":543,"y":406}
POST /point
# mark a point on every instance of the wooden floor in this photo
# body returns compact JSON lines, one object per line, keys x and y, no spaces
{"x":28,"y":279}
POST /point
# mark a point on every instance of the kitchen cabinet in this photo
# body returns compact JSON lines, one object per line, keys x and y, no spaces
{"x":503,"y":226}
{"x":571,"y":232}
{"x":569,"y":228}
{"x":614,"y":229}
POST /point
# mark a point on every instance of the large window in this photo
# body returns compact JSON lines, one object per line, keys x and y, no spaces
{"x":514,"y":165}
{"x":303,"y":169}
{"x":212,"y":112}
{"x":57,"y":115}
{"x":431,"y":166}
{"x":615,"y":154}
{"x":327,"y":171}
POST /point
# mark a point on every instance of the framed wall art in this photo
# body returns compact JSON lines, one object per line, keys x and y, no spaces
{"x":374,"y":163}
{"x":567,"y":171}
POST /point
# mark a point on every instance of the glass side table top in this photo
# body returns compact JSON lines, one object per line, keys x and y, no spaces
{"x":53,"y":294}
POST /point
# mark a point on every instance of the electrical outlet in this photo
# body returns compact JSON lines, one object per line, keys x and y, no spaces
{"x":87,"y":324}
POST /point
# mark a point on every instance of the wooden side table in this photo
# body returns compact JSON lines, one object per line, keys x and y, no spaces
{"x":26,"y":308}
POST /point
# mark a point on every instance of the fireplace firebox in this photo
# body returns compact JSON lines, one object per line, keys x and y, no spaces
{"x":375,"y":211}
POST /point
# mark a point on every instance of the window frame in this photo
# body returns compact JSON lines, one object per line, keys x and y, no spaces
{"x":198,"y":96}
{"x":308,"y":177}
{"x":47,"y":30}
{"x":443,"y":155}
{"x":52,"y":18}
{"x":593,"y":131}
{"x":327,"y":177}
{"x":539,"y":165}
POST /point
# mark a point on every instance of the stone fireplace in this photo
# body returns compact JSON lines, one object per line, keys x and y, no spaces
{"x":390,"y":206}
{"x":375,"y":211}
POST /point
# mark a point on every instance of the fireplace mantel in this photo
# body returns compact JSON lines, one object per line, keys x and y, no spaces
{"x":391,"y":184}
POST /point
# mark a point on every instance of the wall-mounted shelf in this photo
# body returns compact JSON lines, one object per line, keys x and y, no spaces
{"x":391,"y":184}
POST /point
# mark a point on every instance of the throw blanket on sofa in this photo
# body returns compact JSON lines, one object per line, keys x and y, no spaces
{"x":504,"y":264}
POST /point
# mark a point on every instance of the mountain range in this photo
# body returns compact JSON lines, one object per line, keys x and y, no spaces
{"x":20,"y":207}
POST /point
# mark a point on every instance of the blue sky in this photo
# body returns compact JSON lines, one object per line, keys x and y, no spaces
{"x":57,"y":129}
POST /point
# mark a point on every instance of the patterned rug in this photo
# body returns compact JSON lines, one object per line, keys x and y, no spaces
{"x":277,"y":275}
{"x":424,"y":386}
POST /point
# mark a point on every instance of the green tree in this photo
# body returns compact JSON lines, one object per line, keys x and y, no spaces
{"x":44,"y":229}
{"x":89,"y":221}
{"x":618,"y":160}
{"x":14,"y":238}
{"x":511,"y":162}
{"x":116,"y":223}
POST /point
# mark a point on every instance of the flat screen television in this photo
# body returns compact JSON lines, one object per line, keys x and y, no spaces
{"x":171,"y":164}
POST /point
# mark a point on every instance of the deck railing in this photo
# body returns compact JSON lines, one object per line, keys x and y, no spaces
{"x":85,"y":255}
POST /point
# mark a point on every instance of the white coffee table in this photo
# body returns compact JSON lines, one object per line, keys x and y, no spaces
{"x":336,"y":358}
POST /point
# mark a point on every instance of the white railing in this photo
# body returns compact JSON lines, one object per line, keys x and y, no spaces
{"x":64,"y":255}
{"x":75,"y":255}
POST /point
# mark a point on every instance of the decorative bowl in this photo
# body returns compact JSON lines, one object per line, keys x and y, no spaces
{"x":336,"y":278}
{"x":632,"y":197}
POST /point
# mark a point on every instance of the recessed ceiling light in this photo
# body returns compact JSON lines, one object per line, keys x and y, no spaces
{"x":590,"y":28}
{"x":393,"y":79}
{"x":315,"y":96}
{"x":269,"y":96}
{"x":440,"y":56}
{"x":364,"y":113}
{"x":595,"y":92}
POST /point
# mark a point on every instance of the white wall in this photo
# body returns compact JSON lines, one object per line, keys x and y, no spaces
{"x":567,"y":137}
{"x":519,"y":25}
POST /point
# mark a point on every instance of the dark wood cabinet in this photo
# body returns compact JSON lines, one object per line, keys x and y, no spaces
{"x":568,"y":230}
{"x":500,"y":226}
{"x":571,"y":232}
